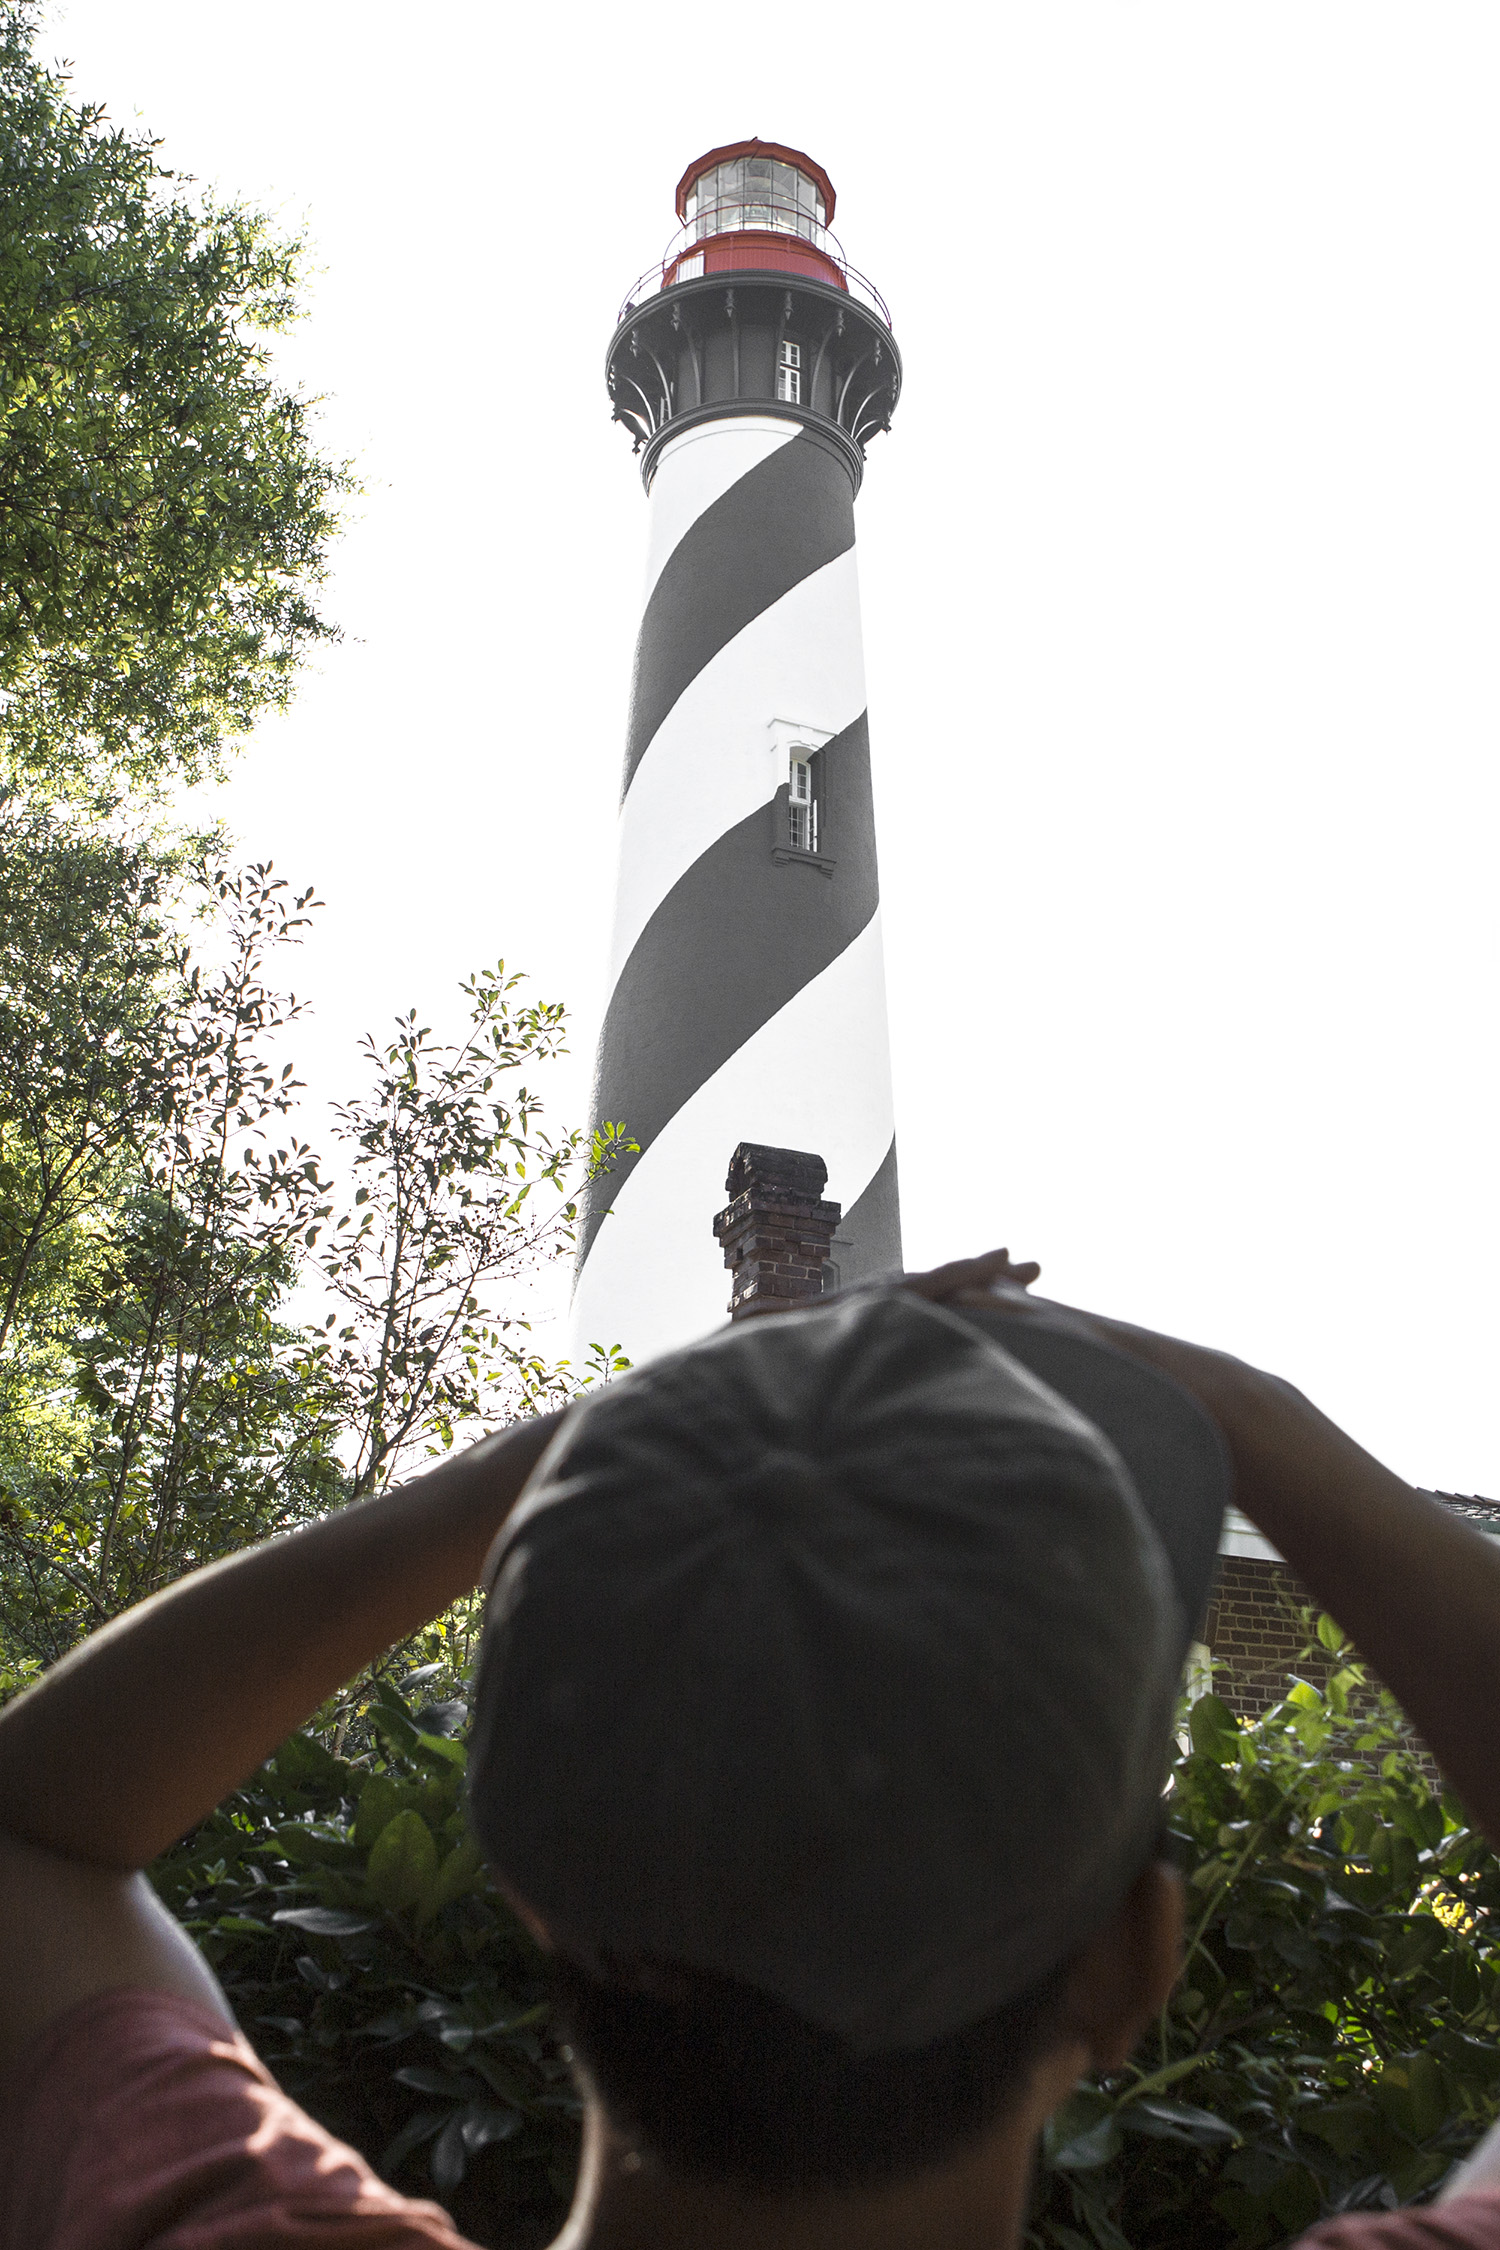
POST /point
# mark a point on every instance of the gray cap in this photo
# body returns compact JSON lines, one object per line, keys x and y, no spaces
{"x":837,"y":1654}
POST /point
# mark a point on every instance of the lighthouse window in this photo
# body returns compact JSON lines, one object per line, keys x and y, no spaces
{"x":754,"y":191}
{"x":789,"y":375}
{"x":802,"y":806}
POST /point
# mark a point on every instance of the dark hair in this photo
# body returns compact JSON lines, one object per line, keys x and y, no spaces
{"x":718,"y":2080}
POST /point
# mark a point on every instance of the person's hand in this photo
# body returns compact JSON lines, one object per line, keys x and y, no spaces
{"x":963,"y":1281}
{"x":995,"y":1280}
{"x":974,"y":1281}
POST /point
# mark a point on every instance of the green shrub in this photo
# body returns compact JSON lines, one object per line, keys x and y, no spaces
{"x":1331,"y":2044}
{"x":389,"y":1987}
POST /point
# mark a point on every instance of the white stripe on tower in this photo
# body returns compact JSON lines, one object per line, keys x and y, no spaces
{"x":712,"y":760}
{"x":775,"y":1090}
{"x":747,"y":996}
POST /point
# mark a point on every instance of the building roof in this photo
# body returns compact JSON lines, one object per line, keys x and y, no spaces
{"x":1485,"y":1514}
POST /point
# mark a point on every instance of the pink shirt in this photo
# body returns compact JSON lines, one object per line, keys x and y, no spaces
{"x":140,"y":2122}
{"x":140,"y":2119}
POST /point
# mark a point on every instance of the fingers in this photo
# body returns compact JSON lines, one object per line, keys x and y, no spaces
{"x":963,"y":1274}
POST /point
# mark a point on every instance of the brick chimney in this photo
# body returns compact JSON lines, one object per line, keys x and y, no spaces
{"x":777,"y":1231}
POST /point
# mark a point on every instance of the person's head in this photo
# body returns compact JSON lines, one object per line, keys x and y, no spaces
{"x":822,"y":1723}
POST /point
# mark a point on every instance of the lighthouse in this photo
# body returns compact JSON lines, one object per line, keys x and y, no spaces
{"x":746,"y":989}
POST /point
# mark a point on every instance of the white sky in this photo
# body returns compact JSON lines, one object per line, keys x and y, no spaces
{"x":1179,"y":576}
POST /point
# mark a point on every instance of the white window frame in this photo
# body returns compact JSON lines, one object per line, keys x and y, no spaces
{"x":794,"y":739}
{"x":789,"y":374}
{"x":802,"y":802}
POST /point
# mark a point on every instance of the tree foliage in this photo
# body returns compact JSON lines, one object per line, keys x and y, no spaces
{"x":84,"y":1015}
{"x":1330,"y":2046}
{"x":204,"y":1337}
{"x":151,"y":1410}
{"x":458,"y":1190}
{"x":164,"y":510}
{"x":1331,"y":2043}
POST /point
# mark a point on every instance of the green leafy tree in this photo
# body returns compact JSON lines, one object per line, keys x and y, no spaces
{"x":164,"y":1396}
{"x":459,"y":1193}
{"x":84,"y":1011}
{"x":459,"y":1197}
{"x":185,"y":1426}
{"x":164,"y":510}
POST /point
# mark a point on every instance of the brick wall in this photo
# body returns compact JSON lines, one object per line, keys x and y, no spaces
{"x":1254,"y":1630}
{"x":1253,"y":1627}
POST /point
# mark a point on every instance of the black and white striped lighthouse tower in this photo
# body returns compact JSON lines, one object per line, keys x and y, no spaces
{"x":746,"y":988}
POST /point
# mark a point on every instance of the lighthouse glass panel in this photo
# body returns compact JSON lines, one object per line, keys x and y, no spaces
{"x":758,"y":192}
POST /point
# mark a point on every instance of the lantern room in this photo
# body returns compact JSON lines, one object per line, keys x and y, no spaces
{"x":754,"y":308}
{"x":754,"y":207}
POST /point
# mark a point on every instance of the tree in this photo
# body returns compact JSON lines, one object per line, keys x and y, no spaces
{"x":83,"y":1001}
{"x":152,"y":1234}
{"x":164,"y":512}
{"x":165,"y":1394}
{"x":458,"y":1192}
{"x":458,"y":1197}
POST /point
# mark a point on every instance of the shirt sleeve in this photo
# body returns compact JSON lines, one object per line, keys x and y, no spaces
{"x":1469,"y":2222}
{"x":139,"y":2121}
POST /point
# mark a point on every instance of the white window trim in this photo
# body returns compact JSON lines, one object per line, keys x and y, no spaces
{"x":785,"y":735}
{"x":789,"y":736}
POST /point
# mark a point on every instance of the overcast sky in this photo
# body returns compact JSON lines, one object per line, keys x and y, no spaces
{"x":1179,"y":575}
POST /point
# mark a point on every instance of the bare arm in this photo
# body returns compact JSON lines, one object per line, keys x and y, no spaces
{"x":1416,"y":1588}
{"x":140,"y":1732}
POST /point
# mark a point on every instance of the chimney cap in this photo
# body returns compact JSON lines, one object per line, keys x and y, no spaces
{"x":753,"y":1165}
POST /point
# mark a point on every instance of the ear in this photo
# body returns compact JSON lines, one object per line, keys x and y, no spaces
{"x":1124,"y":1973}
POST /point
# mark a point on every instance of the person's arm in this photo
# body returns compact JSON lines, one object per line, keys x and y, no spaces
{"x":136,"y":1736}
{"x":1416,"y":1588}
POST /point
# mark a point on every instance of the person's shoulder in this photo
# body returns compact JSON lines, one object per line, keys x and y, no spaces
{"x":1467,"y":2222}
{"x":142,"y":2116}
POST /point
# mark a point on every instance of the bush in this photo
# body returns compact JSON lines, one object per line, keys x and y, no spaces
{"x":1330,"y":2046}
{"x":383,"y":1980}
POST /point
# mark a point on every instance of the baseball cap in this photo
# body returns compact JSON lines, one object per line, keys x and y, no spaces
{"x":838,"y":1654}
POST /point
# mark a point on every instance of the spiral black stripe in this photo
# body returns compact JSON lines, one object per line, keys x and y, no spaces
{"x":733,"y":941}
{"x":870,"y":1231}
{"x":777,"y":525}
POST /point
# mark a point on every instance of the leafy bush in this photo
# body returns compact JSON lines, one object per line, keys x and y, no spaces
{"x":389,"y":1987}
{"x":1330,"y":2046}
{"x":1331,"y":2043}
